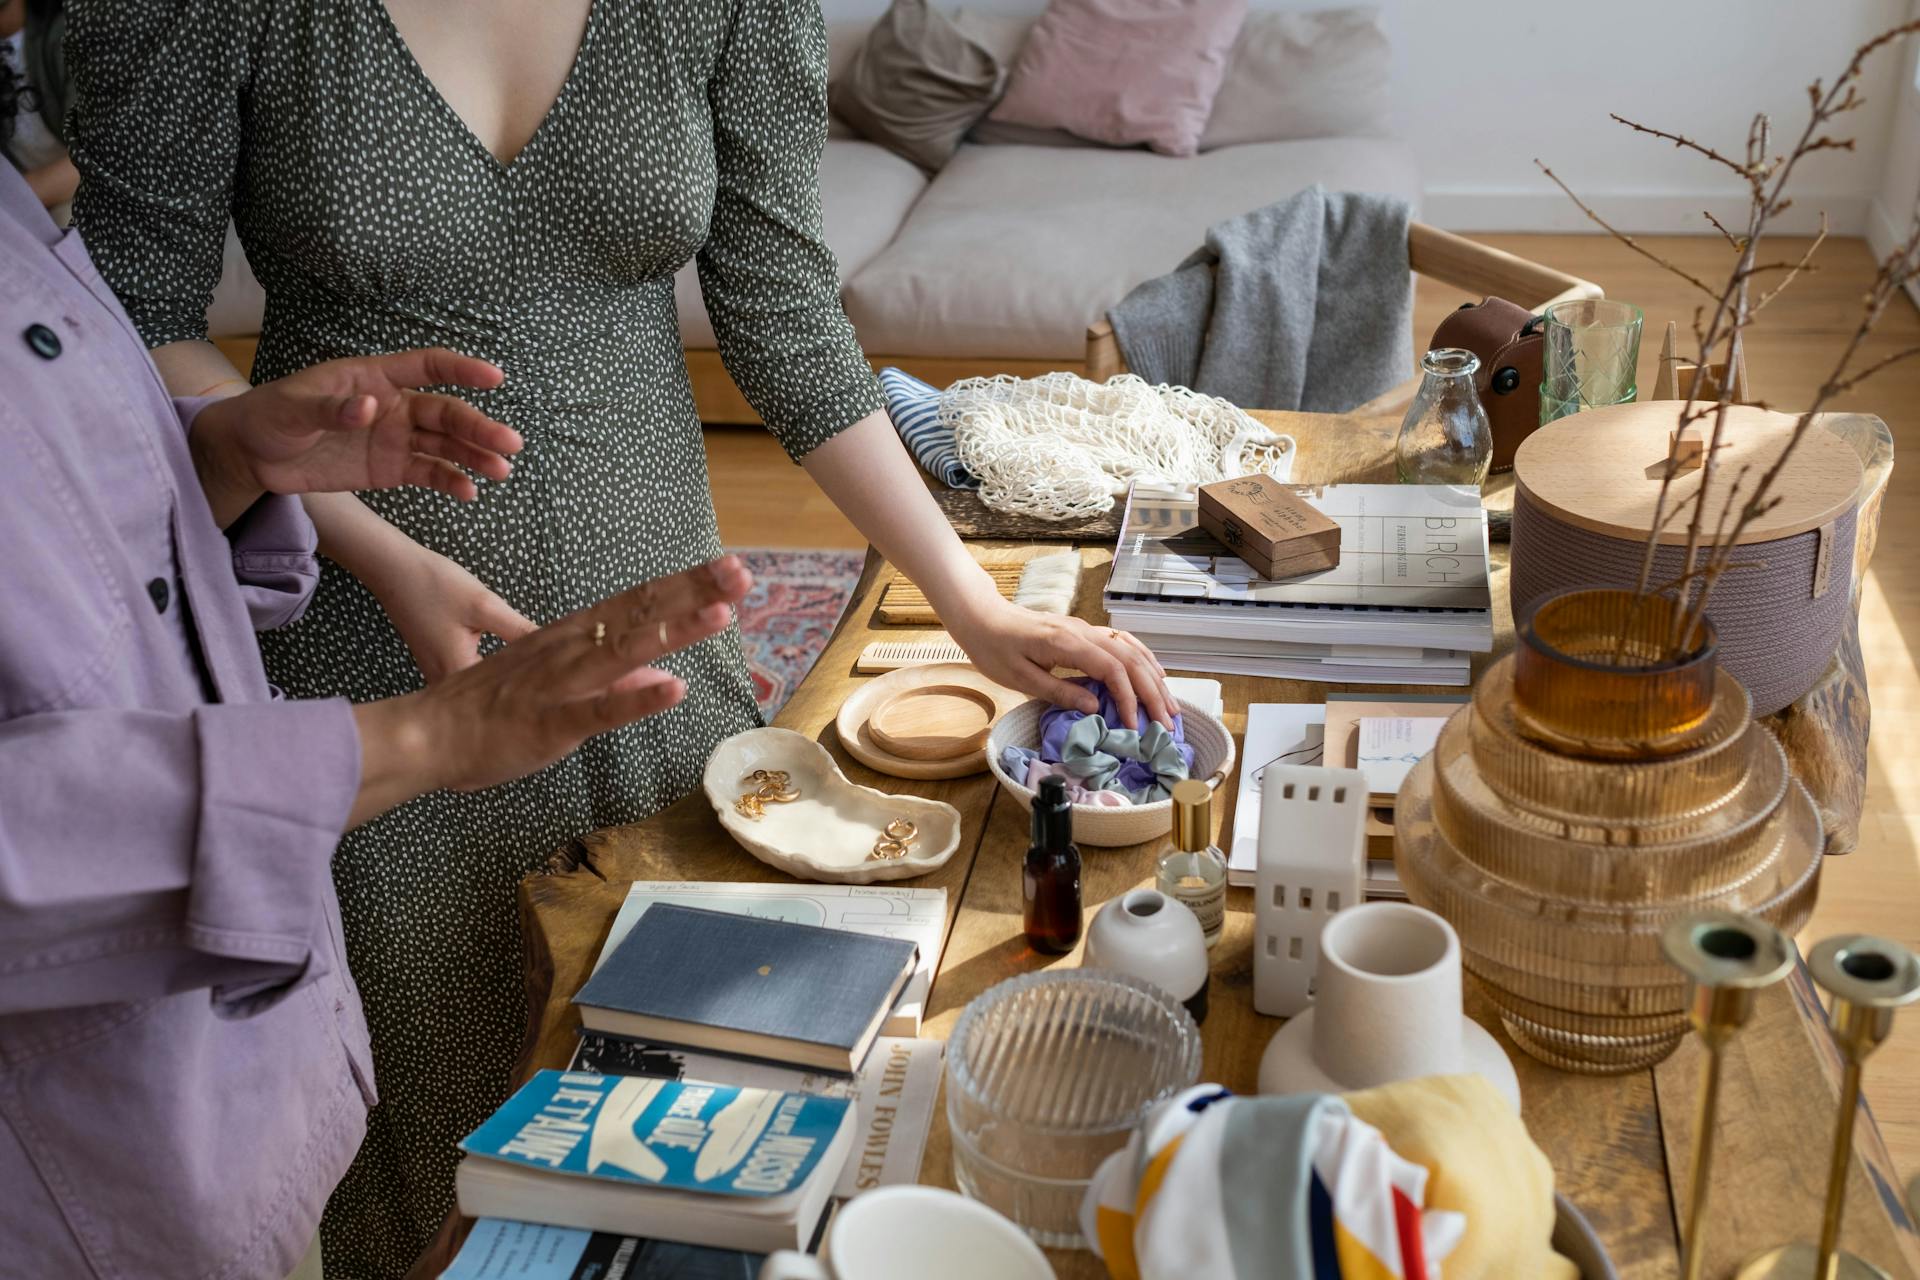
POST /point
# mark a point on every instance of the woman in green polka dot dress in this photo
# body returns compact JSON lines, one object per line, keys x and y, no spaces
{"x":519,"y":182}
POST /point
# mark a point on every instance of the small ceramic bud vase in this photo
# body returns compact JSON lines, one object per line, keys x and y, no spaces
{"x":1386,"y":1007}
{"x":1149,"y":936}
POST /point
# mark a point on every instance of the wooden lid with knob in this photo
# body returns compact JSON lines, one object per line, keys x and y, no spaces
{"x":1600,"y":470}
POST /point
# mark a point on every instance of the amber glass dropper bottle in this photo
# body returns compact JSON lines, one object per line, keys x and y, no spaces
{"x":1050,"y":879}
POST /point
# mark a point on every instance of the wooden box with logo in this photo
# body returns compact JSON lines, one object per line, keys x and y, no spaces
{"x":1278,"y":533}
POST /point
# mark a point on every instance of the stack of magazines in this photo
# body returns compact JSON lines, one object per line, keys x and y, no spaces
{"x":1408,"y":603}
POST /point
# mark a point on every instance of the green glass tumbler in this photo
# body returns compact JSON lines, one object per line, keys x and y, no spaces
{"x":1591,"y":356}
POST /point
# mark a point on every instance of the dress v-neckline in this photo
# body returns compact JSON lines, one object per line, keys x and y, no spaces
{"x":466,"y":130}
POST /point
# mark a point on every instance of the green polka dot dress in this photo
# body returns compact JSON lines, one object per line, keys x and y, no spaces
{"x":377,"y":221}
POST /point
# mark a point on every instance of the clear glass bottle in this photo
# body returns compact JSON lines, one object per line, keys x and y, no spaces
{"x":1194,"y":872}
{"x":1445,"y":437}
{"x":1050,"y":877}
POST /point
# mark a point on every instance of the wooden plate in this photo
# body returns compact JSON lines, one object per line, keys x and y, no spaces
{"x":933,"y":722}
{"x":856,"y":713}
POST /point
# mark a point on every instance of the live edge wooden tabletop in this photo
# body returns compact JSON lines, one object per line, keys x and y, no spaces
{"x":1619,"y":1144}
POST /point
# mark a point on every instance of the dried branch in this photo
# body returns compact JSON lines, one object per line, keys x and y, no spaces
{"x":1819,"y":239}
{"x":1849,"y":383}
{"x":1708,"y":554}
{"x":1719,"y":226}
{"x":1744,"y":170}
{"x":1623,"y":237}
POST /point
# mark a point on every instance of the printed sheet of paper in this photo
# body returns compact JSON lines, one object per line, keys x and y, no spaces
{"x":1389,"y":747}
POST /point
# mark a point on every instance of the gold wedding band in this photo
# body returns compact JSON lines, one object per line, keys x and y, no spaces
{"x":599,"y":634}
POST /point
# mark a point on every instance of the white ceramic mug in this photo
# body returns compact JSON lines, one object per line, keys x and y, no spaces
{"x":922,"y":1232}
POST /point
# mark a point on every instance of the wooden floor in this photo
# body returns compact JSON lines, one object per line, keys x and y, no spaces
{"x":764,"y":500}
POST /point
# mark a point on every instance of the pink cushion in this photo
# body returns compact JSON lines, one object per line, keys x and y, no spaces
{"x":1124,"y":72}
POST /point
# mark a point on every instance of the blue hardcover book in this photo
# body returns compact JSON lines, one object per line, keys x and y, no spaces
{"x":497,"y":1249}
{"x":748,"y":985}
{"x":669,"y":1159}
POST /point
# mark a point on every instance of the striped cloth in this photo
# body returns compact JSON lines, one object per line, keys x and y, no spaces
{"x":1214,"y":1187}
{"x":914,"y":407}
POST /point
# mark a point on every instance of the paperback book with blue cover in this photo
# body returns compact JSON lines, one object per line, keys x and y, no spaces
{"x":672,"y":1159}
{"x":666,"y":1133}
{"x":497,"y":1249}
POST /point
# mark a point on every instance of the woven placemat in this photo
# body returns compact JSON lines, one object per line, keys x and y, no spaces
{"x":972,"y":518}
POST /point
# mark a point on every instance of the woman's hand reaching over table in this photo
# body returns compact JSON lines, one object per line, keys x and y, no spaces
{"x":1020,"y":648}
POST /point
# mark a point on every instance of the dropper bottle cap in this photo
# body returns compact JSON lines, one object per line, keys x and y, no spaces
{"x":1052,"y":816}
{"x":1192,"y":815}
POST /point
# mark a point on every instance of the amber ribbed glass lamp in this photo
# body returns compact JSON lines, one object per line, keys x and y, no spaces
{"x":1602,"y":782}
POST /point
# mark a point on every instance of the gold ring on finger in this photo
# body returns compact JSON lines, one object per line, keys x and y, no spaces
{"x":663,"y":637}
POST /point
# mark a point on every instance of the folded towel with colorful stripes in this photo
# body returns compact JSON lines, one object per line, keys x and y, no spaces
{"x":914,"y":407}
{"x":1333,"y":1202}
{"x":1216,"y":1187}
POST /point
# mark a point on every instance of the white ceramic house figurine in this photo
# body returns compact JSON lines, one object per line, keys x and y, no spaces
{"x":1386,"y":1008}
{"x":1312,"y":863}
{"x":1150,"y":936}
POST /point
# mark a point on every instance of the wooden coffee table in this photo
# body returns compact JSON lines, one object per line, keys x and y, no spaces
{"x":1619,"y":1144}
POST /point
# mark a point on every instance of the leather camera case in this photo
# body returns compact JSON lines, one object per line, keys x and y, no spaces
{"x":1510,"y":341}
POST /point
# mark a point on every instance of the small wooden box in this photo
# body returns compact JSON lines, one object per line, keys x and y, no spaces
{"x":1264,"y":523}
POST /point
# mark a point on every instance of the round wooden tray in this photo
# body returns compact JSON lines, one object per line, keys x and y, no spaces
{"x":933,"y":722}
{"x":892,"y":697}
{"x":1600,"y":470}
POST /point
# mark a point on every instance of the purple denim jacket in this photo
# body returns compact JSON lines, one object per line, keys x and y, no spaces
{"x":183,"y":1065}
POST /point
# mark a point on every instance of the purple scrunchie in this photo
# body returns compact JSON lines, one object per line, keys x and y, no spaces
{"x":1134,"y":775}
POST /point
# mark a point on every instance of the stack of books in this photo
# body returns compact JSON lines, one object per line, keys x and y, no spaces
{"x":736,"y":1073}
{"x":1407,"y":604}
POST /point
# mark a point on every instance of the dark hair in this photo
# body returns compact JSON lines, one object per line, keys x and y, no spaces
{"x":13,"y":88}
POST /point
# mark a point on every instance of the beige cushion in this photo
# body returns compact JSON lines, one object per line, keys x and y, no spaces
{"x":1014,"y":251}
{"x":865,"y":193}
{"x":1304,"y":75}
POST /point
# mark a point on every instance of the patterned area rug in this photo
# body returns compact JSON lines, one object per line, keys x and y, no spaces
{"x":785,"y":621}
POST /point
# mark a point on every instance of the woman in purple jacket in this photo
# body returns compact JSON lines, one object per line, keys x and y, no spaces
{"x":184,"y":1072}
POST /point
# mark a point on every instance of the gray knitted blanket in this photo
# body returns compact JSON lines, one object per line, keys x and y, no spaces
{"x":1305,"y":304}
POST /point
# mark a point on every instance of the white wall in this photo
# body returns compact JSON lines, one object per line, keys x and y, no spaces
{"x":1482,"y":87}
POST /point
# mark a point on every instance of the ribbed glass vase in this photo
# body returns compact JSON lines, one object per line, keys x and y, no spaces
{"x":1601,"y":782}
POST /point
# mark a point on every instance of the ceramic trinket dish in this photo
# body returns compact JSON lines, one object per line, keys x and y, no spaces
{"x":927,"y":721}
{"x":833,"y":830}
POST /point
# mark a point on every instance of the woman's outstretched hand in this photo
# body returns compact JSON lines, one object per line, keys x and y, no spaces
{"x":1019,"y":648}
{"x":357,"y":423}
{"x":536,"y":700}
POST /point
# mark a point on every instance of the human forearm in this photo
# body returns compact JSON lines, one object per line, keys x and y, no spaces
{"x":400,"y":757}
{"x":866,"y":472}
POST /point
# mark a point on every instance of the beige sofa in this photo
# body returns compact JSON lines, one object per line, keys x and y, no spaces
{"x":1001,"y":261}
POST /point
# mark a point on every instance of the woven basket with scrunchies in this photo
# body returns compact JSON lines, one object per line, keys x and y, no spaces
{"x":1097,"y":824}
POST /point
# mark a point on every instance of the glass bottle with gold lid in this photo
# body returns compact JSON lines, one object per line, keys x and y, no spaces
{"x":1194,"y":871}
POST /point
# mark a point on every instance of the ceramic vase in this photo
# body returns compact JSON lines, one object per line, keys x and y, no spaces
{"x":1386,"y":1007}
{"x":1150,"y":936}
{"x":1603,"y":781}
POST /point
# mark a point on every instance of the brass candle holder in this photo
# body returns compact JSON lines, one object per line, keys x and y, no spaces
{"x":1867,"y":978}
{"x":1727,"y":959}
